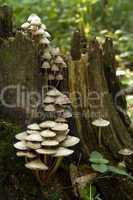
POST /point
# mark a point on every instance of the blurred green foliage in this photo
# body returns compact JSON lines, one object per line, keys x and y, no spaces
{"x":64,"y":16}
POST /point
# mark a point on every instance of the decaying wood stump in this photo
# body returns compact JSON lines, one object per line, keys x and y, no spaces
{"x":93,"y":86}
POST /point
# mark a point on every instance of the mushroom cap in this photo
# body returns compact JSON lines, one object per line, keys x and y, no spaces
{"x":34,"y":137}
{"x":55,"y":51}
{"x":25,"y":25}
{"x":47,"y":124}
{"x":60,"y":120}
{"x":33,"y":127}
{"x":61,"y":152}
{"x":46,"y":34}
{"x":55,"y":68}
{"x":36,"y":165}
{"x":64,"y":65}
{"x":49,"y":99}
{"x":21,"y":136}
{"x":39,"y":32}
{"x":33,"y":145}
{"x":43,"y":26}
{"x":21,"y":145}
{"x":45,"y":65}
{"x":44,"y":41}
{"x":32,"y":132}
{"x":46,"y":151}
{"x":67,"y":114}
{"x":32,"y":28}
{"x":70,"y":141}
{"x":49,"y":108}
{"x":125,"y":152}
{"x":100,"y":122}
{"x":60,"y":127}
{"x":46,"y":55}
{"x":62,"y":100}
{"x":60,"y":138}
{"x":54,"y":92}
{"x":59,"y":77}
{"x":33,"y":16}
{"x":50,"y":143}
{"x":26,"y":154}
{"x":59,"y":60}
{"x":51,"y":77}
{"x":35,"y":22}
{"x":48,"y":134}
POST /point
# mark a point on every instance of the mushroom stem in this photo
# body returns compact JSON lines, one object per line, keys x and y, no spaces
{"x":38,"y":177}
{"x":57,"y":164}
{"x":99,"y":137}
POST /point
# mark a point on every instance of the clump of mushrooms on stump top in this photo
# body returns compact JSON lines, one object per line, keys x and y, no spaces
{"x":52,"y":61}
{"x":43,"y":145}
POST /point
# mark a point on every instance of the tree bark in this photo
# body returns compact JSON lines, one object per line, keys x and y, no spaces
{"x":93,"y":86}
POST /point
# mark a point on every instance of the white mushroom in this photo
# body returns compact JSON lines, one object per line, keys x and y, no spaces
{"x":46,"y":34}
{"x":21,"y":145}
{"x":36,"y":165}
{"x":55,"y":51}
{"x":49,"y":99}
{"x":46,"y":151}
{"x":39,"y":32}
{"x":59,"y":77}
{"x":59,"y":60}
{"x":100,"y":123}
{"x":54,"y":92}
{"x":60,"y":127}
{"x":47,"y":133}
{"x":61,"y":120}
{"x":34,"y":126}
{"x":70,"y":141}
{"x":51,"y":77}
{"x":61,"y":152}
{"x":45,"y":65}
{"x":55,"y":68}
{"x":33,"y":145}
{"x":47,"y":124}
{"x":50,"y":143}
{"x":43,"y":26}
{"x":32,"y":17}
{"x":21,"y":136}
{"x":25,"y":154}
{"x":25,"y":26}
{"x":49,"y":108}
{"x":34,"y":138}
{"x":62,"y":100}
{"x":44,"y":41}
{"x":67,"y":114}
{"x":46,"y":55}
{"x":32,"y":132}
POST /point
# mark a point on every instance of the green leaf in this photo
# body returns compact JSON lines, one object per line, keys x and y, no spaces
{"x":96,"y":157}
{"x":117,"y":170}
{"x":100,"y":167}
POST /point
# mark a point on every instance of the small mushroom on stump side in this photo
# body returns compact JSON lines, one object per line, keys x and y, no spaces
{"x":100,"y":123}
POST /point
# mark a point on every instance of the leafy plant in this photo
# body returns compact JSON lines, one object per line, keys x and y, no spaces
{"x":100,"y":164}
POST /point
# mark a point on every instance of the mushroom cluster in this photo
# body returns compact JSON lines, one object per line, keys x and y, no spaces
{"x":48,"y":139}
{"x":57,"y":106}
{"x":52,"y":61}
